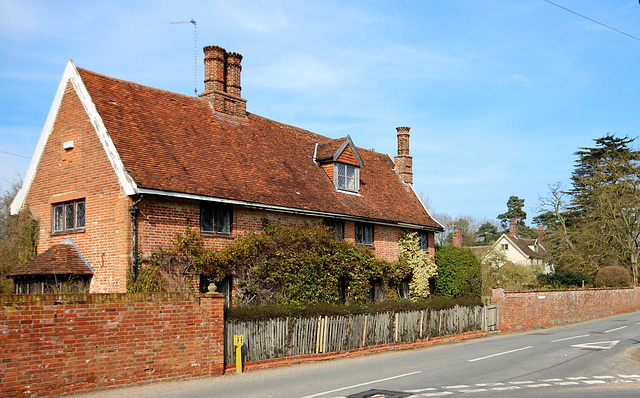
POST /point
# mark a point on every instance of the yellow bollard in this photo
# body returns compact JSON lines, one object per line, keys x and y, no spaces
{"x":238,"y":342}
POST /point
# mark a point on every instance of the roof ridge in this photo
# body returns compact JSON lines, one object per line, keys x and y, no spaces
{"x":115,"y":79}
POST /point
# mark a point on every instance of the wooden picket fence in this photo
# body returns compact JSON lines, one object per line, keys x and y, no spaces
{"x":274,"y":338}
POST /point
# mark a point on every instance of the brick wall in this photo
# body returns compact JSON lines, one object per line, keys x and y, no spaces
{"x":58,"y":345}
{"x":526,"y":310}
{"x":84,"y":172}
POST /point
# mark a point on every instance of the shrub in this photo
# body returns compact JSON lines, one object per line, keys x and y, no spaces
{"x":459,"y":273}
{"x":563,"y":279}
{"x":613,"y":276}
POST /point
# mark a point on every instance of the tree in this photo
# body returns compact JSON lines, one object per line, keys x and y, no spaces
{"x":597,"y":222}
{"x":487,"y":234}
{"x":514,"y":210}
{"x":606,"y":197}
{"x":18,"y":237}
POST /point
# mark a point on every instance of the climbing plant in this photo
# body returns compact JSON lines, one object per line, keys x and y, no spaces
{"x":419,"y":263}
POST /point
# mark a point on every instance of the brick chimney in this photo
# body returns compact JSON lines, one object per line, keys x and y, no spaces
{"x":222,"y":81}
{"x":513,"y":227}
{"x":457,"y":239}
{"x":404,"y":161}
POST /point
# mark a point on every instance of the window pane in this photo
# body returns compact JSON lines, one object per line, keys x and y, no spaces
{"x":359,"y":234}
{"x":341,"y":182}
{"x":424,"y":240}
{"x":351,"y":172}
{"x":70,"y":219}
{"x":223,"y":221}
{"x":368,"y":235}
{"x":206,"y":217}
{"x":351,"y":184}
{"x":80,"y":215}
{"x":58,"y":218}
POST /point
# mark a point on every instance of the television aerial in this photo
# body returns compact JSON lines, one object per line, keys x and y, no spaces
{"x":195,"y":53}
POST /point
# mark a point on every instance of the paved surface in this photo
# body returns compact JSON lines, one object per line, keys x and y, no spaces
{"x":589,"y":359}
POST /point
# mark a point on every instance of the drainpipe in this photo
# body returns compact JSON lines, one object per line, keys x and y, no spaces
{"x":134,"y":211}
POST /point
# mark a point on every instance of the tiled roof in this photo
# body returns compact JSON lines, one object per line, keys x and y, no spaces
{"x":523,"y":244}
{"x":59,"y":259}
{"x":175,"y":143}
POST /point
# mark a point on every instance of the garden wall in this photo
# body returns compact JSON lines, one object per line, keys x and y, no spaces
{"x":535,"y":309}
{"x":62,"y":344}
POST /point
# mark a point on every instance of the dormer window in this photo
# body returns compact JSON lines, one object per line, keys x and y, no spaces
{"x":347,"y":177}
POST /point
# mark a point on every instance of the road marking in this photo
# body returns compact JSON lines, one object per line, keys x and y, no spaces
{"x":594,"y":381}
{"x":613,"y":330}
{"x":438,"y":394}
{"x":570,"y":338}
{"x":567,"y":383}
{"x":522,"y":382}
{"x":422,"y":390}
{"x":538,"y":385}
{"x":601,"y":345}
{"x":489,"y":384}
{"x":501,"y":353}
{"x":361,"y":384}
{"x":507,"y":388}
{"x":459,"y":386}
{"x":550,"y":380}
{"x":629,"y":376}
{"x":603,"y":377}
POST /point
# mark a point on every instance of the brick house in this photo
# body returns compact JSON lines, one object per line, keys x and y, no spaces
{"x":121,"y":168}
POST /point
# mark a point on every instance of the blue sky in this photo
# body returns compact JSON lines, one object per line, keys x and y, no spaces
{"x":498,"y":94}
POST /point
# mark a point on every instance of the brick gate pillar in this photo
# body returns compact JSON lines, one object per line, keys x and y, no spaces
{"x":212,"y":305}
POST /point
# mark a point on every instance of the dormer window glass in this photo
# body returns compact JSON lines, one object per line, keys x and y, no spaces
{"x":347,"y":177}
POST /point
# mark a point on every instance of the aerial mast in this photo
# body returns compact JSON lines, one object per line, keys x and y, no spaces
{"x":195,"y":53}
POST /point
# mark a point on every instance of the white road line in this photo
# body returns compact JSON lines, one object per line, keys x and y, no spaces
{"x":570,"y":338}
{"x":507,"y":388}
{"x":550,"y":380}
{"x":603,"y":377}
{"x":538,"y":385}
{"x":501,"y":353}
{"x":613,"y":330}
{"x":629,"y":376}
{"x":522,"y":382}
{"x":567,"y":383}
{"x":458,"y":386}
{"x":361,"y":384}
{"x":594,"y":381}
{"x":438,"y":394}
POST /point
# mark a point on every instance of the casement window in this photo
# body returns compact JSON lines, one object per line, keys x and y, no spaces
{"x":215,"y":218}
{"x":68,"y":217}
{"x":424,"y":240}
{"x":403,"y":289}
{"x":346,"y":177}
{"x":337,"y":226}
{"x":504,"y":246}
{"x":364,"y":234}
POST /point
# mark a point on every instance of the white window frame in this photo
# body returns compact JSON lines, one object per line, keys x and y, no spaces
{"x":338,"y":175}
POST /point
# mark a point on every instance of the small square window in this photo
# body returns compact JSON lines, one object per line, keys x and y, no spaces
{"x":68,"y":217}
{"x":347,"y":177}
{"x":505,"y":246}
{"x":364,"y":234}
{"x":215,"y":218}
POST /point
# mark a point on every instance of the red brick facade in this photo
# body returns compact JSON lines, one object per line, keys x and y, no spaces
{"x":526,"y":310}
{"x":82,"y":343}
{"x":83,"y":172}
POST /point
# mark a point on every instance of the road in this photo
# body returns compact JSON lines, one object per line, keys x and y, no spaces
{"x":588,"y":359}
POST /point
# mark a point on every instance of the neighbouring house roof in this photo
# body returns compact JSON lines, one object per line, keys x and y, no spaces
{"x":524,"y":245}
{"x":63,"y":258}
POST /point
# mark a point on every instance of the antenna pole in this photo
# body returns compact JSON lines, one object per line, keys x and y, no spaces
{"x":195,"y":53}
